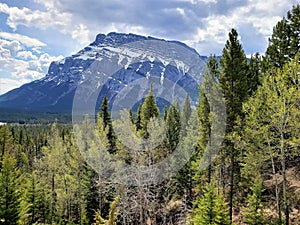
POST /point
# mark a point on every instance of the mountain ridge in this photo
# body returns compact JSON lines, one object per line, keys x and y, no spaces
{"x":55,"y":91}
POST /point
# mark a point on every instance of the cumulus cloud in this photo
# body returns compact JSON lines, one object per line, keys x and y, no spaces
{"x":26,"y":55}
{"x":35,"y":18}
{"x":27,"y":41}
{"x":20,"y":61}
{"x":10,"y":48}
{"x":51,"y":18}
{"x":201,"y":22}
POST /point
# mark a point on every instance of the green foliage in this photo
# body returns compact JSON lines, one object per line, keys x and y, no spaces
{"x":254,"y":75}
{"x":271,"y":131}
{"x":234,"y":84}
{"x":254,"y":211}
{"x":105,"y":116}
{"x":44,"y":179}
{"x":112,"y":220}
{"x":35,"y":201}
{"x":149,"y":110}
{"x":98,"y":219}
{"x":285,"y":41}
{"x":186,"y":114}
{"x":211,"y":208}
{"x":173,"y":125}
{"x":138,"y":123}
{"x":9,"y":191}
{"x":6,"y":142}
{"x":233,"y":77}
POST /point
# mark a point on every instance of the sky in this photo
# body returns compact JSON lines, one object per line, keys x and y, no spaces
{"x":33,"y":33}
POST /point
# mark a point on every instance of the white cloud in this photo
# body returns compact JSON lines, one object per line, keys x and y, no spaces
{"x":7,"y":84}
{"x":27,"y":41}
{"x":46,"y":59}
{"x":203,"y":24}
{"x":81,"y":33}
{"x":52,"y":18}
{"x":4,"y":53}
{"x":34,"y":18}
{"x":18,"y":61}
{"x":26,"y":55}
{"x":254,"y":23}
{"x":11,"y":47}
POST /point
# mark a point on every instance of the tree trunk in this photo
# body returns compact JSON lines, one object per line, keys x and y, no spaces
{"x":276,"y":191}
{"x":231,"y":186}
{"x":285,"y":203}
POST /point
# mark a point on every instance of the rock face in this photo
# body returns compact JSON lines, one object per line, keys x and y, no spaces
{"x":55,"y":92}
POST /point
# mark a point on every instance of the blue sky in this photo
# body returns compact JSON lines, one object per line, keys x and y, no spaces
{"x":33,"y":33}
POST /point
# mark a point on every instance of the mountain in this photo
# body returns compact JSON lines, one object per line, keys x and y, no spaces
{"x":111,"y":63}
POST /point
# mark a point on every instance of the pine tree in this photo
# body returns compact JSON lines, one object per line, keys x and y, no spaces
{"x":6,"y":142}
{"x":254,"y":214}
{"x":284,"y":43}
{"x":254,"y":73}
{"x":211,"y":208}
{"x":186,"y":114}
{"x":173,"y":125}
{"x":35,"y":201}
{"x":149,"y":110}
{"x":165,"y":115}
{"x":92,"y":195}
{"x":205,"y":119}
{"x":9,"y":193}
{"x":234,"y":84}
{"x":138,"y":123}
{"x":106,"y":118}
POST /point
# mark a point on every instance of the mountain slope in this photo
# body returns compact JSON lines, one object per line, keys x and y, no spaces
{"x":55,"y":92}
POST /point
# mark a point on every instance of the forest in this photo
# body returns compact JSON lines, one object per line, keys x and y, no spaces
{"x":253,"y":178}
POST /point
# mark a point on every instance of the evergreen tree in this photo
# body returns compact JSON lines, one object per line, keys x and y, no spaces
{"x":6,"y":142}
{"x":9,"y":192}
{"x":266,"y":136}
{"x":234,"y":84}
{"x":138,"y":123}
{"x":131,"y":118}
{"x":35,"y":201}
{"x":254,"y":214}
{"x":106,"y":118}
{"x":254,"y":73}
{"x":92,"y":196}
{"x":211,"y":208}
{"x":205,"y":119}
{"x":284,"y":43}
{"x":173,"y":125}
{"x":186,"y":114}
{"x":149,"y":110}
{"x":165,"y":115}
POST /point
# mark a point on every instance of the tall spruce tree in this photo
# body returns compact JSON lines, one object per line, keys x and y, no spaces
{"x":107,"y":124}
{"x":149,"y":110}
{"x":6,"y":142}
{"x":254,"y":73}
{"x":173,"y":125}
{"x":9,"y":192}
{"x":186,"y":114}
{"x":284,"y":43}
{"x":205,"y":118}
{"x":234,"y":84}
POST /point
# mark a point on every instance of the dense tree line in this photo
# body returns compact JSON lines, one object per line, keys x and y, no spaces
{"x":45,"y":179}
